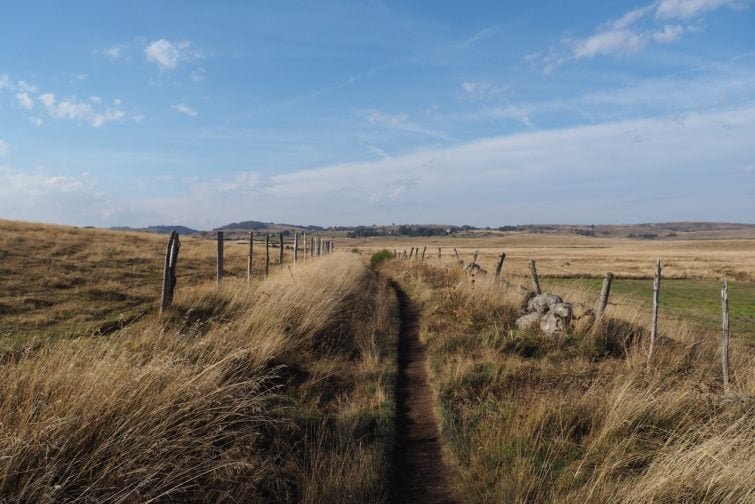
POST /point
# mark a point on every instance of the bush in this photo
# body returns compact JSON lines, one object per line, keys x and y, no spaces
{"x":379,"y":257}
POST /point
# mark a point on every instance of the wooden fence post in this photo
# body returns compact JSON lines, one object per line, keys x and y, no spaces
{"x":296,"y":247}
{"x":423,"y":253}
{"x":499,"y":266}
{"x":656,"y":298}
{"x":474,"y":259}
{"x":411,"y":253}
{"x":304,"y":239}
{"x":169,"y":272}
{"x":457,"y":255}
{"x":535,"y":280}
{"x":439,"y":254}
{"x":604,"y":293}
{"x":725,"y":346}
{"x":220,"y":258}
{"x":250,"y":258}
{"x":267,"y":254}
{"x":280,"y":253}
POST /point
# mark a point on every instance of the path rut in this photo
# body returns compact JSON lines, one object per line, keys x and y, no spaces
{"x":419,"y":473}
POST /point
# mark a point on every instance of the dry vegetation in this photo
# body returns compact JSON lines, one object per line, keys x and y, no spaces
{"x":580,"y":418}
{"x":278,"y":390}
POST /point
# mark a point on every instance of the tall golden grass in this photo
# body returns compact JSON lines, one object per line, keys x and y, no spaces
{"x":276,"y":390}
{"x":531,"y":418}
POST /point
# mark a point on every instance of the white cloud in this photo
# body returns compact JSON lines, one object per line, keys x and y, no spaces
{"x":3,"y":148}
{"x":182,"y":108}
{"x":609,"y":42}
{"x":115,"y":52}
{"x":36,"y":121}
{"x":73,"y":109}
{"x":669,"y":34}
{"x":26,"y":87}
{"x":167,"y":55}
{"x":5,"y":82}
{"x":25,"y":101}
{"x":481,"y":90}
{"x":137,"y":118}
{"x":687,"y":9}
{"x":95,"y":99}
{"x":40,"y":196}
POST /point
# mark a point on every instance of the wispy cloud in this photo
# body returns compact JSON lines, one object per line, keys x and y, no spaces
{"x":73,"y":109}
{"x":400,"y":121}
{"x":182,"y":108}
{"x":477,"y":37}
{"x":482,"y":90}
{"x":167,"y":55}
{"x":633,"y":31}
{"x":115,"y":52}
{"x":25,"y":101}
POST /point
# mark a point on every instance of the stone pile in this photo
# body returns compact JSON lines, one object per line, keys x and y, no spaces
{"x":553,"y":315}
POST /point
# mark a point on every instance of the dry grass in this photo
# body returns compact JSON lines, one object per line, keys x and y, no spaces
{"x":580,"y":418}
{"x":278,"y":390}
{"x":560,"y":255}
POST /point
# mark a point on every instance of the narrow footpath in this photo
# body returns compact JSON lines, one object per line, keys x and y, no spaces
{"x":419,"y":472}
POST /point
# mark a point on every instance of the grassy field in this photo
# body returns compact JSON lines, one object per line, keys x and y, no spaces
{"x":282,"y":389}
{"x":278,"y":390}
{"x":579,"y":418}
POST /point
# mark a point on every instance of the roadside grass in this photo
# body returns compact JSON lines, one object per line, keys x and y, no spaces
{"x":276,"y":390}
{"x":531,"y":418}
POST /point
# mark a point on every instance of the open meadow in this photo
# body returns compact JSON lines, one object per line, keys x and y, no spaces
{"x":300,"y":386}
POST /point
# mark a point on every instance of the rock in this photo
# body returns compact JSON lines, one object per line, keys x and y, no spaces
{"x":562,"y":310}
{"x":542,"y":303}
{"x":551,"y":324}
{"x":527,"y":321}
{"x":475,"y":268}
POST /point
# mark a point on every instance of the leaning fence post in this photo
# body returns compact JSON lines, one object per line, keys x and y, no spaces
{"x":250,"y":258}
{"x":604,"y":293}
{"x":411,"y":253}
{"x":725,"y":348}
{"x":656,"y":296}
{"x":304,"y":240}
{"x":499,"y":266}
{"x":457,"y":254}
{"x":535,"y":280}
{"x":220,"y":257}
{"x":474,"y":259}
{"x":267,"y":254}
{"x":280,"y":253}
{"x":439,"y":254}
{"x":169,"y":272}
{"x":296,"y":247}
{"x":423,"y":253}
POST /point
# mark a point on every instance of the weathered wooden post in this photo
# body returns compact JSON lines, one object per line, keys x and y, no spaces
{"x":296,"y":247}
{"x":535,"y":279}
{"x":250,"y":258}
{"x":411,"y":253}
{"x":220,"y":258}
{"x":304,"y":239}
{"x":267,"y":254}
{"x":656,"y":298}
{"x":169,"y":272}
{"x":423,"y":253}
{"x":604,"y":293}
{"x":499,"y":266}
{"x":725,"y":347}
{"x":280,"y":253}
{"x":439,"y":254}
{"x":474,"y":259}
{"x":457,"y":255}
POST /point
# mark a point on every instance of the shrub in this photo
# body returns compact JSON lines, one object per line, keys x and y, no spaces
{"x":379,"y":256}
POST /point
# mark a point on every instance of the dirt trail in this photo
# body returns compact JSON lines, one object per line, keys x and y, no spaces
{"x":419,"y":472}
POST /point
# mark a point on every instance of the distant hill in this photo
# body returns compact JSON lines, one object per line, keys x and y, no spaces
{"x":252,"y":225}
{"x":159,"y":229}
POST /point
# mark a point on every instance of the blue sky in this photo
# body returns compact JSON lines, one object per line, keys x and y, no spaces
{"x":337,"y":113}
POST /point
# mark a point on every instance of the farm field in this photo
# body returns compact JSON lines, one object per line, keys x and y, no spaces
{"x":303,"y":386}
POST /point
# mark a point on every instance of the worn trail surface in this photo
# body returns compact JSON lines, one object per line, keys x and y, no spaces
{"x":419,"y":473}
